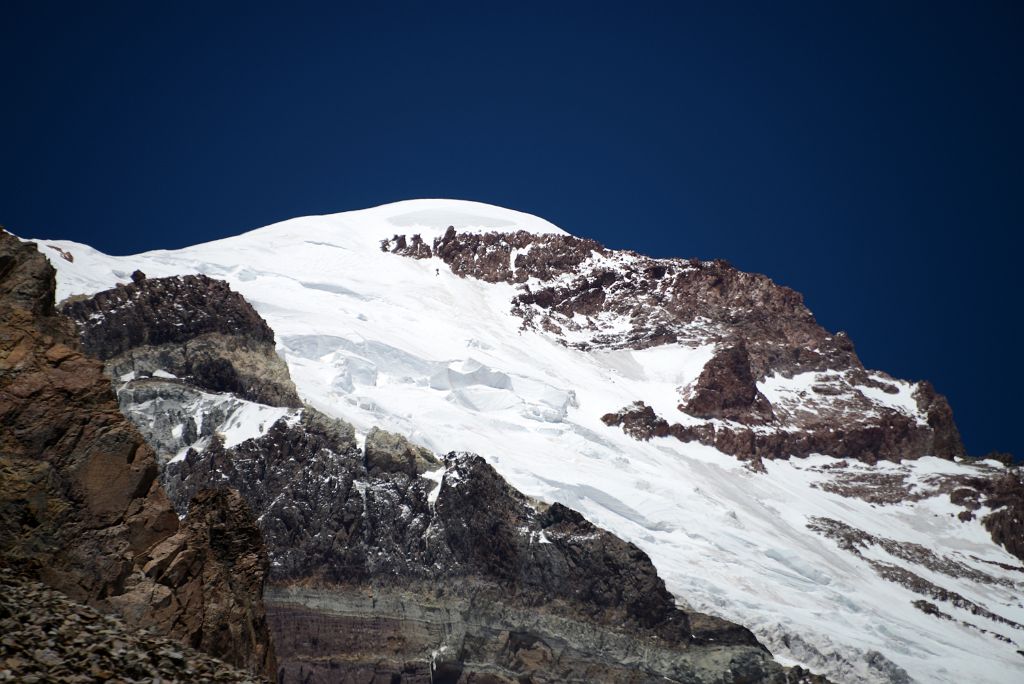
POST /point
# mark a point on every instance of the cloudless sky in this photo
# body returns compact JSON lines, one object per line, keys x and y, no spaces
{"x":869,"y":155}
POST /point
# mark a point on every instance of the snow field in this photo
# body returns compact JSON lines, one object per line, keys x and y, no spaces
{"x":378,"y":339}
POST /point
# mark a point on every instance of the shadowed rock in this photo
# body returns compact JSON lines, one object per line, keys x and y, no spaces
{"x":190,"y":326}
{"x":80,"y":505}
{"x":726,"y":389}
{"x":373,"y":572}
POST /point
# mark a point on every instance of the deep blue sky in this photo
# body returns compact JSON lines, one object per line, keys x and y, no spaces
{"x":869,"y":155}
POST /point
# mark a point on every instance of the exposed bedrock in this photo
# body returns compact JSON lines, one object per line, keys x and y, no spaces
{"x":204,"y":583}
{"x":377,"y":572}
{"x":834,"y":416}
{"x":727,"y":389}
{"x":1003,"y":494}
{"x":592,"y":297}
{"x":664,"y":300}
{"x":891,"y":437}
{"x":188,"y":326}
{"x":80,"y":505}
{"x":945,"y":439}
{"x":388,"y":565}
{"x":469,"y":632}
{"x":387,"y":452}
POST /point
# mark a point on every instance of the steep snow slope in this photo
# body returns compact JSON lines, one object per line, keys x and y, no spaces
{"x":404,"y":344}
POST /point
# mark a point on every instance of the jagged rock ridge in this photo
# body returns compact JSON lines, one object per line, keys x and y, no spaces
{"x":593,"y":297}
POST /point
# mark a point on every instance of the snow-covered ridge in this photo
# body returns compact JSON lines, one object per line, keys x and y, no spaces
{"x":406,"y":345}
{"x":361,"y":228}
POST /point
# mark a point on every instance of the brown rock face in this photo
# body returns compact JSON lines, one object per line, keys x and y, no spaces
{"x":946,"y":440}
{"x":1004,"y":496}
{"x":80,"y":506}
{"x":190,"y":326}
{"x":487,"y":256}
{"x":215,"y":559}
{"x":1006,"y":524}
{"x":578,"y":290}
{"x":665,"y":300}
{"x":893,"y":437}
{"x":726,"y":389}
{"x":24,"y":281}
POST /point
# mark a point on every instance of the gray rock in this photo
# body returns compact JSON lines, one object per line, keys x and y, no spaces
{"x":50,"y":638}
{"x":387,"y":452}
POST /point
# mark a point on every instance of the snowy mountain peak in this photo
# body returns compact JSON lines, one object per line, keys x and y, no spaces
{"x":515,"y":345}
{"x":431,"y":217}
{"x":428,"y":218}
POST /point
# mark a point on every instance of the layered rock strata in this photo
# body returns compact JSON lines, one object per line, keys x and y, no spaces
{"x":381,"y":574}
{"x":187,"y":326}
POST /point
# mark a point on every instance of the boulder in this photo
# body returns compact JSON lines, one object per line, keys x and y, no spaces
{"x":387,"y":452}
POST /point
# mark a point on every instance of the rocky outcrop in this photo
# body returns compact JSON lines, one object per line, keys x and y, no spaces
{"x":892,"y":438}
{"x":945,"y":437}
{"x":1003,"y":496}
{"x":726,"y":390}
{"x":187,"y":326}
{"x":387,"y":452}
{"x":592,"y":297}
{"x":378,"y":572}
{"x":80,"y":504}
{"x":208,"y":583}
{"x":46,"y":637}
{"x":856,"y":542}
{"x":414,"y":247}
{"x":664,"y":300}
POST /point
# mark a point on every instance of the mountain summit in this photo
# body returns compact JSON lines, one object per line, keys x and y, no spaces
{"x":695,"y":411}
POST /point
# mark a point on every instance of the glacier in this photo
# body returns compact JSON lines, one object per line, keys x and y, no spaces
{"x":406,"y":345}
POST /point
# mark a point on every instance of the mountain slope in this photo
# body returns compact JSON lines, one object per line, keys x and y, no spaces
{"x":384,"y":562}
{"x":866,"y":571}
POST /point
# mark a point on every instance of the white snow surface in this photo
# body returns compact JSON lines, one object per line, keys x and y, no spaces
{"x":238,"y":419}
{"x":380,"y":339}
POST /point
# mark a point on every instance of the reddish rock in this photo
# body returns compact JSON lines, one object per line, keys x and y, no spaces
{"x":80,"y":506}
{"x":727,"y":389}
{"x":618,"y":299}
